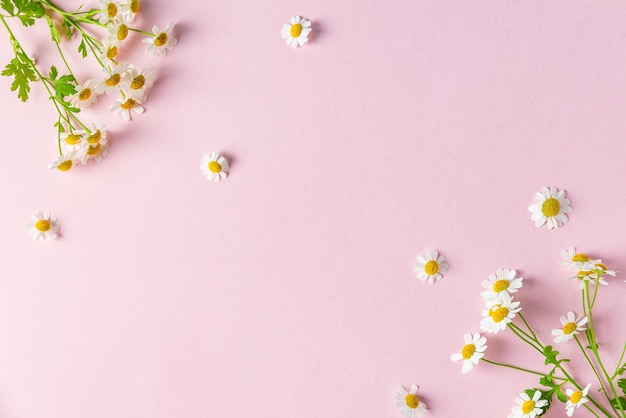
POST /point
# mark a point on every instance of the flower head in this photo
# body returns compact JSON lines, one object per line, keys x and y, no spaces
{"x":131,"y":8}
{"x":109,"y":50}
{"x":85,"y":94}
{"x":575,"y":260}
{"x":504,"y":281}
{"x":551,"y":208}
{"x":527,"y":407}
{"x":161,"y":40}
{"x":110,"y":10}
{"x":43,"y":226}
{"x":570,"y":327}
{"x":214,"y":167}
{"x":65,"y":162}
{"x":410,"y":404}
{"x":472,"y":351}
{"x":124,"y":106}
{"x":112,"y":78}
{"x":499,"y":313}
{"x":296,"y":32}
{"x":576,"y":398}
{"x":73,"y":140}
{"x":136,"y":82}
{"x":430,"y":266}
{"x":118,"y":30}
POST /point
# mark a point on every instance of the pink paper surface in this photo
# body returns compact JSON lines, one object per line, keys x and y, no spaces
{"x":288,"y":289}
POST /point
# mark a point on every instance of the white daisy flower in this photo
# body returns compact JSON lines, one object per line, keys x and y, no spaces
{"x":571,"y":327}
{"x":109,"y":50}
{"x":499,"y":313}
{"x":131,"y":9}
{"x":96,"y":152}
{"x":161,"y":40}
{"x":85,"y":95}
{"x":592,"y":277}
{"x":97,"y":135}
{"x":528,"y":407}
{"x":574,"y":260}
{"x":43,"y":226}
{"x":430,"y":266}
{"x":576,"y":398}
{"x":504,"y":281}
{"x":124,"y":106}
{"x":551,"y":208}
{"x":472,"y":351}
{"x":65,"y":162}
{"x":408,"y":402}
{"x":118,"y":31}
{"x":110,"y":10}
{"x":296,"y":32}
{"x":135,"y":83}
{"x":214,"y":167}
{"x":112,"y":79}
{"x":73,"y":140}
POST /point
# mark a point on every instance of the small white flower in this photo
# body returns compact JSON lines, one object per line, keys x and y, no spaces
{"x":528,"y":407}
{"x":65,"y":162}
{"x":85,"y":94}
{"x":499,"y":313}
{"x":296,"y":32}
{"x":214,"y":167}
{"x":161,"y":40}
{"x":109,"y":50}
{"x":504,"y":281}
{"x":551,"y":208}
{"x":571,"y":326}
{"x":594,"y":276}
{"x":135,"y":83}
{"x":43,"y":226}
{"x":73,"y":140}
{"x":430,"y":266}
{"x":472,"y":351}
{"x":576,"y":398}
{"x":118,"y":31}
{"x":131,"y":8}
{"x":124,"y":106}
{"x":574,"y":260}
{"x":409,"y":403}
{"x":112,"y":79}
{"x":110,"y":10}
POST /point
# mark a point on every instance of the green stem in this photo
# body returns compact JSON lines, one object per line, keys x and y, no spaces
{"x":64,"y":60}
{"x":619,"y":363}
{"x":591,"y":410}
{"x":141,"y":31}
{"x":526,"y":338}
{"x":76,"y":16}
{"x":593,"y":368}
{"x":528,"y":326}
{"x":510,"y":366}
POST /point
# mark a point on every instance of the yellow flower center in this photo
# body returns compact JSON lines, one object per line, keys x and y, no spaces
{"x":135,"y":6}
{"x":95,"y":137}
{"x":551,"y":207}
{"x":65,"y":165}
{"x":42,"y":225}
{"x":85,"y":94}
{"x":113,"y":81}
{"x":580,"y":258}
{"x":500,"y":286}
{"x":528,"y":406}
{"x":576,"y":397}
{"x":295,"y":30}
{"x":215,"y":167}
{"x":111,"y":10}
{"x":468,"y":351}
{"x":569,"y":327}
{"x":601,"y":266}
{"x":412,"y":401}
{"x":431,"y":267}
{"x":122,"y":32}
{"x":112,"y":52}
{"x":160,"y":39}
{"x":128,"y":104}
{"x":498,"y":313}
{"x":138,"y":82}
{"x":92,"y":151}
{"x":72,"y":139}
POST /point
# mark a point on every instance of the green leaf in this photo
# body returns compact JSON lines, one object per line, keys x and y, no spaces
{"x":22,"y":73}
{"x":69,"y":30}
{"x":82,"y":48}
{"x":53,"y":73}
{"x":622,"y":385}
{"x":551,"y":356}
{"x":560,"y":395}
{"x":546,"y":381}
{"x":64,"y":86}
{"x":621,"y":370}
{"x":34,"y":9}
{"x":620,"y":400}
{"x":54,"y":33}
{"x":8,"y":6}
{"x":26,"y":20}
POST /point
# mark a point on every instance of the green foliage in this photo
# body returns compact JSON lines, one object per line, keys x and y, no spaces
{"x":26,"y":10}
{"x":551,"y":356}
{"x":555,"y":388}
{"x":21,"y":69}
{"x":54,"y":33}
{"x":621,"y":383}
{"x":82,"y":48}
{"x":621,"y":370}
{"x":617,"y":401}
{"x":63,"y":86}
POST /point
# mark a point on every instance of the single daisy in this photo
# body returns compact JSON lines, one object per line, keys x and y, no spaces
{"x":131,"y":8}
{"x":576,"y":398}
{"x":430,"y":266}
{"x":499,"y":313}
{"x":97,"y":135}
{"x":574,"y":260}
{"x":504,"y":281}
{"x":161,"y":40}
{"x":214,"y":167}
{"x":73,"y":140}
{"x":118,"y":30}
{"x":96,"y":152}
{"x":110,"y":10}
{"x":571,"y":326}
{"x":136,"y":82}
{"x":124,"y":106}
{"x":551,"y":208}
{"x":408,"y":402}
{"x":593,"y":276}
{"x":85,"y":94}
{"x":472,"y":351}
{"x":527,"y":407}
{"x":296,"y":32}
{"x":65,"y":162}
{"x":109,"y":50}
{"x":43,"y":226}
{"x":112,"y":79}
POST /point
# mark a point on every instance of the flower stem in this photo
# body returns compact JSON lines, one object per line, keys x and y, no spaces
{"x":510,"y":366}
{"x":593,"y":368}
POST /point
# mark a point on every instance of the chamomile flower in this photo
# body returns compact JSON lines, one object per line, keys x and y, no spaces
{"x":430,"y":266}
{"x":214,"y":167}
{"x":110,"y":10}
{"x":124,"y":106}
{"x":527,"y":407}
{"x":136,"y":82}
{"x":97,"y":135}
{"x":499,"y":313}
{"x":73,"y":140}
{"x":85,"y":94}
{"x":570,"y":327}
{"x":109,"y":50}
{"x":576,"y":398}
{"x":575,"y":260}
{"x":504,"y":281}
{"x":131,"y":8}
{"x":296,"y":32}
{"x":472,"y":351}
{"x":118,"y":31}
{"x":161,"y":40}
{"x":410,"y":404}
{"x":43,"y":226}
{"x":96,"y":152}
{"x":551,"y":208}
{"x":112,"y":79}
{"x":65,"y":162}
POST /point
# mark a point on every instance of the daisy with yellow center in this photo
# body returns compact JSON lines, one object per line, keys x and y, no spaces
{"x":527,"y":407}
{"x":97,"y":147}
{"x":124,"y":106}
{"x":43,"y":226}
{"x":73,"y":140}
{"x":109,"y":51}
{"x":161,"y":41}
{"x":575,"y":260}
{"x":110,"y":10}
{"x":499,"y":313}
{"x":112,"y":80}
{"x":214,"y":167}
{"x":551,"y":208}
{"x":594,"y":275}
{"x":576,"y":398}
{"x":118,"y":30}
{"x":85,"y":94}
{"x":131,"y":8}
{"x":472,"y":351}
{"x":430,"y":267}
{"x":410,"y":404}
{"x":135,"y":83}
{"x":65,"y":162}
{"x":504,"y":281}
{"x":296,"y":33}
{"x":570,"y":327}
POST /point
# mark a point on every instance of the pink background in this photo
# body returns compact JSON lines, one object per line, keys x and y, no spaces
{"x":288,"y":290}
